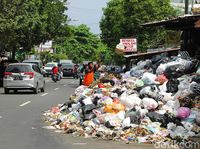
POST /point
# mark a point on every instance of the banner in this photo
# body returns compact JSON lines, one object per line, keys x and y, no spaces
{"x":130,"y":44}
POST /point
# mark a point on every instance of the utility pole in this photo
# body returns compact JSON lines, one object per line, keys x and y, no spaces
{"x":186,"y":6}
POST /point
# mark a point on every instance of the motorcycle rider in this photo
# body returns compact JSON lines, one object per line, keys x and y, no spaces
{"x":55,"y":73}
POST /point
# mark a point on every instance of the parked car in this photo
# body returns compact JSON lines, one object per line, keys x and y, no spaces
{"x":68,"y":69}
{"x":38,"y":63}
{"x":23,"y":76}
{"x":3,"y":66}
{"x":48,"y":68}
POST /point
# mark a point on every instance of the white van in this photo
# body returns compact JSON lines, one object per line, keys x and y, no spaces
{"x":48,"y":68}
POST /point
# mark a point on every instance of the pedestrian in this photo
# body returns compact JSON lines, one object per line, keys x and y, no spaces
{"x":75,"y":71}
{"x":82,"y":73}
{"x":96,"y":71}
{"x":89,"y":74}
{"x":60,"y":71}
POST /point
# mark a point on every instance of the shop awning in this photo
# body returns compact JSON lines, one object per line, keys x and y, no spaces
{"x":152,"y":53}
{"x":179,"y":23}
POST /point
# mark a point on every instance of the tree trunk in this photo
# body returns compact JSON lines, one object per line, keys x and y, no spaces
{"x":13,"y":54}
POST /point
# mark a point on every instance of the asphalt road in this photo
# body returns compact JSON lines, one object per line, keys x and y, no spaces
{"x":21,"y":121}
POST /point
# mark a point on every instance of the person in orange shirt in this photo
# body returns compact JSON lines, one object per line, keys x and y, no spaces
{"x":89,"y":74}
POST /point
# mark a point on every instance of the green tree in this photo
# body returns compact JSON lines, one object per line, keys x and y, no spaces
{"x":81,"y":45}
{"x":24,"y":24}
{"x":123,"y":18}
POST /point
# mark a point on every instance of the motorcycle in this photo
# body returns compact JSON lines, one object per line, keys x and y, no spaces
{"x":55,"y":77}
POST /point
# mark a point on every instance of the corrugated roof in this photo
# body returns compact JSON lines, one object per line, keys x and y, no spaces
{"x":181,"y":22}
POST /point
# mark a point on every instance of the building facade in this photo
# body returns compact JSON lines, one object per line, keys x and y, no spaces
{"x":180,"y":4}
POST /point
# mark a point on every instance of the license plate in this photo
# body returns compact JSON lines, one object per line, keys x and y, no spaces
{"x":18,"y":78}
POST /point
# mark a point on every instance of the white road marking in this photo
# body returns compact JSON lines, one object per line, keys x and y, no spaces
{"x":56,"y":89}
{"x":72,"y":82}
{"x":1,"y":117}
{"x":22,"y":105}
{"x":65,"y":85}
{"x":44,"y":94}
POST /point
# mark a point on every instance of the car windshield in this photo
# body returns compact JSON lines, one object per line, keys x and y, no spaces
{"x":67,"y":65}
{"x":18,"y":68}
{"x":33,"y":63}
{"x":50,"y":65}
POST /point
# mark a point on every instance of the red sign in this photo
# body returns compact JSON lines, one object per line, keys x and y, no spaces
{"x":129,"y":44}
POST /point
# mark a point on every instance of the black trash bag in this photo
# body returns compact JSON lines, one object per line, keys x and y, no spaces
{"x":196,"y":79}
{"x":164,"y":119}
{"x":95,"y":101}
{"x":172,"y":85}
{"x":88,"y":108}
{"x":148,"y":66}
{"x":107,"y":81}
{"x":65,"y":107}
{"x":195,"y":88}
{"x":191,"y":67}
{"x":108,"y":125}
{"x":174,"y":71}
{"x":118,"y":91}
{"x":158,"y":58}
{"x":134,"y":116}
{"x":157,"y":64}
{"x":155,"y":117}
{"x":58,"y":121}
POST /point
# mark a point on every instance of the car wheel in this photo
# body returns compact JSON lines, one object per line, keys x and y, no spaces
{"x":35,"y":90}
{"x":6,"y":91}
{"x":43,"y":88}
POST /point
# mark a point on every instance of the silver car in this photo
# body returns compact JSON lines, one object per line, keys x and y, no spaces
{"x":23,"y":76}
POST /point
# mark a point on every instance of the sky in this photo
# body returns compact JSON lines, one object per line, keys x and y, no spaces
{"x":87,"y":12}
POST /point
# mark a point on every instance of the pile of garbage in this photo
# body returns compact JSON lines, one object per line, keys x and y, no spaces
{"x":155,"y":101}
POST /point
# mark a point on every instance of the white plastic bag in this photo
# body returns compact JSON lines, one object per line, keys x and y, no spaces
{"x":149,"y":78}
{"x":149,"y":103}
{"x":130,"y":101}
{"x":126,"y":122}
{"x":87,"y":101}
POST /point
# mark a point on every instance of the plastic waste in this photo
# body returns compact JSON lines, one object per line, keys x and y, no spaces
{"x":149,"y":91}
{"x":198,"y":71}
{"x":195,"y":88}
{"x":183,"y":112}
{"x":172,"y":85}
{"x":126,"y":122}
{"x":87,"y":101}
{"x":88,"y":108}
{"x":130,"y":101}
{"x":149,"y":78}
{"x":114,"y":108}
{"x":149,"y":103}
{"x":161,"y":79}
{"x":198,"y":118}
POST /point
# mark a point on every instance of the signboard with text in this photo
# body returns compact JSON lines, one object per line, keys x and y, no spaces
{"x":130,"y":44}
